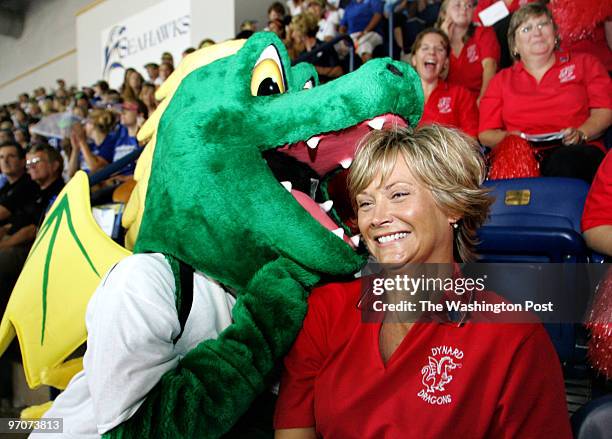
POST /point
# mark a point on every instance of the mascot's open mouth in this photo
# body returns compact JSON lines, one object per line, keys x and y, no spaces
{"x":301,"y":166}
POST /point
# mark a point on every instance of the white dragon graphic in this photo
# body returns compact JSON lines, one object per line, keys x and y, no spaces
{"x":435,"y":374}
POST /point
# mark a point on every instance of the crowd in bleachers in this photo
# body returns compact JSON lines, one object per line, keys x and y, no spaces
{"x":548,"y":95}
{"x":457,"y":58}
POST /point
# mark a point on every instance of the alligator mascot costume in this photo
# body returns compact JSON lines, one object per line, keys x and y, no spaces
{"x":220,"y":234}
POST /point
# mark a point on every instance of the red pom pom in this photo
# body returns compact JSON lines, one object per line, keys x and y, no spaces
{"x":600,"y":324}
{"x":513,"y":157}
{"x":577,"y":19}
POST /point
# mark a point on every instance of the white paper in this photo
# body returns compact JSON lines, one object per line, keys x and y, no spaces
{"x":105,"y":219}
{"x":494,"y":13}
{"x":546,"y":137}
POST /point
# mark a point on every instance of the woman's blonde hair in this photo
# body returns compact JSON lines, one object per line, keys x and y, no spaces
{"x":442,"y":16}
{"x":102,"y":120}
{"x":305,"y":23}
{"x":521,"y":16}
{"x":444,"y":160}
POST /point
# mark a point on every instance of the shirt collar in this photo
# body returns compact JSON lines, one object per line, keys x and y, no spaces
{"x":442,"y":85}
{"x":561,"y":57}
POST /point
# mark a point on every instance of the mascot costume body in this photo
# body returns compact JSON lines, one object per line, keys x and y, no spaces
{"x":187,"y":332}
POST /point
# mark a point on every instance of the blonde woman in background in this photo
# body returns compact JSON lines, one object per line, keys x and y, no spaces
{"x":91,"y":157}
{"x":475,"y":51}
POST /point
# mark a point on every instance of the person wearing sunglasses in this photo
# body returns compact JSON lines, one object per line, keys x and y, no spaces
{"x":45,"y":165}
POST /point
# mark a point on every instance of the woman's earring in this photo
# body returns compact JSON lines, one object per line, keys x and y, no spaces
{"x":455,"y":226}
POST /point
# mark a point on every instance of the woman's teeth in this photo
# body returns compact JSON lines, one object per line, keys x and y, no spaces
{"x":389,"y":238}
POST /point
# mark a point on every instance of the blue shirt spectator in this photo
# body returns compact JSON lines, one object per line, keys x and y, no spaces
{"x":125,"y":144}
{"x":359,"y":13}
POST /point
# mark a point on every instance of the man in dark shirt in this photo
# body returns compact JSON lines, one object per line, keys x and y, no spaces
{"x":23,"y":214}
{"x":45,"y":166}
{"x":16,"y":206}
{"x":17,"y":196}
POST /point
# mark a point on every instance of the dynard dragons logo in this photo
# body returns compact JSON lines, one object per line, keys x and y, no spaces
{"x":567,"y":74}
{"x":438,"y":373}
{"x":444,"y":105}
{"x":472,"y":53}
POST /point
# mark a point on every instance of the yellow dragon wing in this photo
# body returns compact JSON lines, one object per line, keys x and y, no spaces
{"x":46,"y":310}
{"x":47,"y":307}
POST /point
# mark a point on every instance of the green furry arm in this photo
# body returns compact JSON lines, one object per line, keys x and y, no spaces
{"x":216,"y":382}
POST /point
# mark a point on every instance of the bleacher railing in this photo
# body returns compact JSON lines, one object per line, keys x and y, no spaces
{"x":114,"y":168}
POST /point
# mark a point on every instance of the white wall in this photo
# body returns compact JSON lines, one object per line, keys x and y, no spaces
{"x":209,"y":19}
{"x":89,"y":26}
{"x":212,"y":19}
{"x":49,"y":32}
{"x":53,"y":30}
{"x":252,"y":10}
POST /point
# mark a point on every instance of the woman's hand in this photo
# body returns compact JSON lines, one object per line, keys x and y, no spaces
{"x":77,"y":136}
{"x":491,"y":138}
{"x":573,"y":136}
{"x":447,"y":26}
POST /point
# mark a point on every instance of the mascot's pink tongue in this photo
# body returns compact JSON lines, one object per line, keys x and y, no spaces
{"x":318,"y":213}
{"x":338,"y":148}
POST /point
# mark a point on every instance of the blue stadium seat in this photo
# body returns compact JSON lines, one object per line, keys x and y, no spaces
{"x":594,"y":420}
{"x":537,"y":220}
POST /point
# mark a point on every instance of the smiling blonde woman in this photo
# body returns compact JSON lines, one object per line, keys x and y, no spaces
{"x":418,"y":200}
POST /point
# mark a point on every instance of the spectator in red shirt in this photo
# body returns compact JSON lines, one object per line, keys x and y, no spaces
{"x":597,"y":215}
{"x":419,"y":200}
{"x":446,"y":104}
{"x":547,"y":91}
{"x":474,"y":50}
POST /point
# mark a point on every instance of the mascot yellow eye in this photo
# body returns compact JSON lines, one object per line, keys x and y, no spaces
{"x":268,"y":78}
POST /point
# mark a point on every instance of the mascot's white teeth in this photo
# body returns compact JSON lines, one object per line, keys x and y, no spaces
{"x":339,"y":233}
{"x":287,"y":185}
{"x":377,"y":123}
{"x":355,"y":240}
{"x":346,"y":163}
{"x":327,"y":205}
{"x":389,"y":238}
{"x":313,"y":142}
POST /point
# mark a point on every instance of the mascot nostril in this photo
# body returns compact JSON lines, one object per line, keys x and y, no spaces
{"x":394,"y":70}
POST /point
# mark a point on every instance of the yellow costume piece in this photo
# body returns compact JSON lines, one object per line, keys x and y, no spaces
{"x":47,"y":307}
{"x":71,"y":253}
